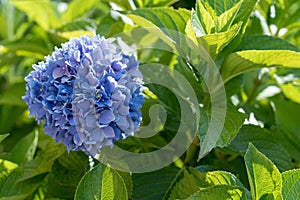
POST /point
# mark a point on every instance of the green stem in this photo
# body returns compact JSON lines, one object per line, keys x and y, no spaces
{"x":191,"y":152}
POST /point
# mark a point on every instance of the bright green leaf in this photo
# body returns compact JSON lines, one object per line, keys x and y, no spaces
{"x":219,"y":7}
{"x":205,"y":20}
{"x":102,"y":182}
{"x":6,"y":165}
{"x":215,"y":43}
{"x":219,"y":192}
{"x":291,"y":184}
{"x":193,"y":181}
{"x":291,"y":91}
{"x":264,"y":178}
{"x":249,"y":60}
{"x":155,"y":3}
{"x":80,"y":8}
{"x":164,"y":18}
{"x":42,"y":12}
{"x":225,"y":20}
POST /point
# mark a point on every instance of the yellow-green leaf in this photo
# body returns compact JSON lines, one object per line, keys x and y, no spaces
{"x":245,"y":61}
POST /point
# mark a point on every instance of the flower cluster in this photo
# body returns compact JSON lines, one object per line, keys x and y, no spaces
{"x":88,"y":93}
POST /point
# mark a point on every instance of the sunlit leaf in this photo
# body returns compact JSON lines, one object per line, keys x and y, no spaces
{"x":80,"y":8}
{"x":102,"y":182}
{"x":264,"y":178}
{"x":249,"y":60}
{"x":42,"y":12}
{"x":291,"y":184}
{"x":219,"y":192}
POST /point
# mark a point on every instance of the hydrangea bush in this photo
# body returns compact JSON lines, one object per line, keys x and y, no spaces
{"x":88,"y":93}
{"x":86,"y":97}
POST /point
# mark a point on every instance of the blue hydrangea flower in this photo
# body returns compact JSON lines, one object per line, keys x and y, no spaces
{"x":88,"y":93}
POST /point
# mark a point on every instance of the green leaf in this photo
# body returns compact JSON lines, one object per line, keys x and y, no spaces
{"x":264,"y":178}
{"x":163,"y":18}
{"x":13,"y":189}
{"x":196,"y":25}
{"x":233,"y":122}
{"x":25,"y":148}
{"x":124,"y":4}
{"x":249,"y":60}
{"x":286,"y":115}
{"x":265,"y":42}
{"x":219,"y":192}
{"x":12,"y":95}
{"x":217,"y":8}
{"x":215,"y":43}
{"x":156,"y":184}
{"x":128,"y":182}
{"x":291,"y":91}
{"x":203,"y":18}
{"x":69,"y":168}
{"x":225,"y":20}
{"x":193,"y":181}
{"x":2,"y":137}
{"x":43,"y":162}
{"x":154,"y":3}
{"x":81,"y":8}
{"x":6,"y":166}
{"x":265,"y":142}
{"x":42,"y":12}
{"x":291,"y":184}
{"x":65,"y":175}
{"x":28,"y":47}
{"x":102,"y":182}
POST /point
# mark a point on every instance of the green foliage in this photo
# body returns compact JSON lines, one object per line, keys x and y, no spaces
{"x":102,"y":182}
{"x":264,"y":177}
{"x":254,"y":47}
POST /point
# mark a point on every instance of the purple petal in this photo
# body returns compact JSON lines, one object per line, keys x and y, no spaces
{"x":108,"y":132}
{"x":106,"y":117}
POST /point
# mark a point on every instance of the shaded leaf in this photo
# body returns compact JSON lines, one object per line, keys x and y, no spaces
{"x":265,"y":142}
{"x":233,"y":122}
{"x":43,"y":162}
{"x":156,"y":184}
{"x":286,"y":116}
{"x":265,"y":42}
{"x":3,"y":136}
{"x":25,"y":148}
{"x":12,"y":95}
{"x":13,"y":189}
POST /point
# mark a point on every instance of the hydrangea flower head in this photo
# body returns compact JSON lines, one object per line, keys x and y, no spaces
{"x":88,"y":93}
